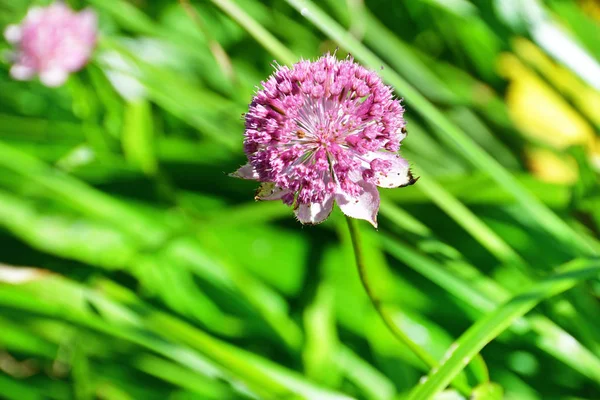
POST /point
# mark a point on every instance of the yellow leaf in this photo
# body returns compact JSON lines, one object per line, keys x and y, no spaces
{"x":538,"y":111}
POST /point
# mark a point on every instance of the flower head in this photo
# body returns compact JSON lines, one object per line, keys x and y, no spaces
{"x":52,"y":42}
{"x":323,"y":132}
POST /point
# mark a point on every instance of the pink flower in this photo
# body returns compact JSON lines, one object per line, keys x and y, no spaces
{"x":52,"y":42}
{"x":323,"y":132}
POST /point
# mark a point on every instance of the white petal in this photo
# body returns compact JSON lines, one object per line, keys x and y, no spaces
{"x":88,"y":19}
{"x":245,"y":172}
{"x":34,"y":14}
{"x":59,"y":8}
{"x":364,"y":206}
{"x":21,"y":72}
{"x":315,"y":213}
{"x":268,"y":191}
{"x":13,"y":33}
{"x":401,"y":135}
{"x":399,"y":175}
{"x":53,"y":77}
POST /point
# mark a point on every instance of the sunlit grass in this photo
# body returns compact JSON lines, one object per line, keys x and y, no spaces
{"x":156,"y":276}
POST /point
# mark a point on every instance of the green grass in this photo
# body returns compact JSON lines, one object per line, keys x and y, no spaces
{"x":151,"y":274}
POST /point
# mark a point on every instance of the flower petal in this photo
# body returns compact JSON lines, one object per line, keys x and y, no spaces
{"x":398,"y":176}
{"x":315,"y":213}
{"x":88,"y":20}
{"x":13,"y":34}
{"x":245,"y":172}
{"x":364,"y":206}
{"x":54,"y":77}
{"x":22,"y":72}
{"x":268,"y":191}
{"x":35,"y":14}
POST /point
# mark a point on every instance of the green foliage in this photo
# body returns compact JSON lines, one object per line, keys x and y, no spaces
{"x":133,"y":267}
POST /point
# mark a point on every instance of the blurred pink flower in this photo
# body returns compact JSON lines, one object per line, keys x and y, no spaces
{"x":323,"y":132}
{"x":52,"y":42}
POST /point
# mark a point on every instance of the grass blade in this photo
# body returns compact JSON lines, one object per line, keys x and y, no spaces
{"x":549,"y":336}
{"x":257,"y":31}
{"x":486,"y":329}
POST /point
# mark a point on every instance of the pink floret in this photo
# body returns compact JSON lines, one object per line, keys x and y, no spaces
{"x":324,"y":132}
{"x":52,"y":42}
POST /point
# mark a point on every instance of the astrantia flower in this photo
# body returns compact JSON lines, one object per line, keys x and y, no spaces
{"x":52,"y":42}
{"x":325,"y":132}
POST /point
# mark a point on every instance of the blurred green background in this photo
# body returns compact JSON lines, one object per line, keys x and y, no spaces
{"x":133,"y":267}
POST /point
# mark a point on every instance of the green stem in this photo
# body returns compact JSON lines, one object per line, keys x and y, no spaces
{"x":423,"y":355}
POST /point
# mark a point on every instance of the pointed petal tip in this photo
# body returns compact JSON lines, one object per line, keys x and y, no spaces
{"x":315,"y":213}
{"x":365,"y":206}
{"x":399,"y":175}
{"x":245,"y":172}
{"x":411,"y":179}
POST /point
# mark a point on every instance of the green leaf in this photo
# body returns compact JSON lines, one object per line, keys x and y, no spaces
{"x":255,"y":29}
{"x":321,"y":343}
{"x":483,"y":294}
{"x":138,"y":136}
{"x":488,"y":328}
{"x":488,"y":391}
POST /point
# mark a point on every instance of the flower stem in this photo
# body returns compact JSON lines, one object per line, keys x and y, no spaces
{"x":427,"y":359}
{"x":422,"y":354}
